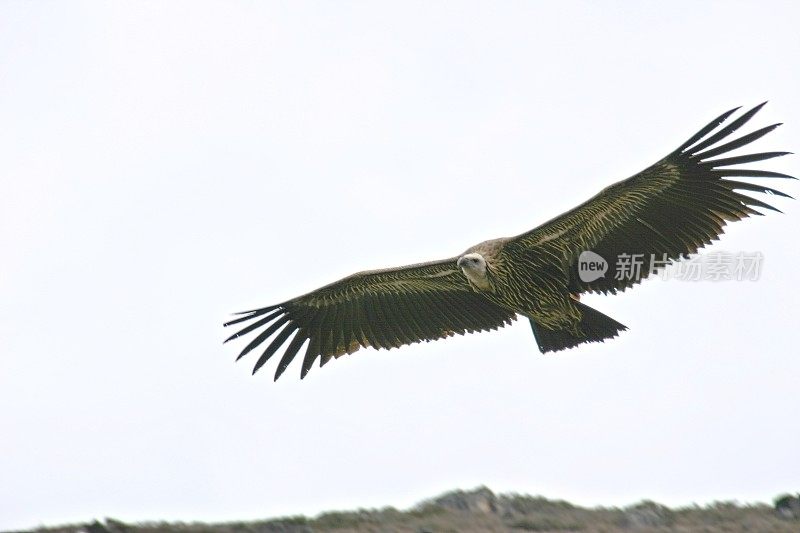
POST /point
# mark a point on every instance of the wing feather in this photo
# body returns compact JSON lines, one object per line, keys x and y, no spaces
{"x":352,"y":318}
{"x":742,"y":159}
{"x":668,"y":210}
{"x":276,"y":343}
{"x":386,"y":324}
{"x":288,"y":355}
{"x":738,"y":143}
{"x":748,"y":173}
{"x":264,"y":335}
{"x":375,"y":336}
{"x":727,"y":130}
{"x":251,"y":314}
{"x":412,"y":330}
{"x":381,"y":308}
{"x":255,"y":325}
{"x":708,"y":128}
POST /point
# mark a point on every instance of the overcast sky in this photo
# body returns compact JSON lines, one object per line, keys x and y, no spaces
{"x":166,"y":164}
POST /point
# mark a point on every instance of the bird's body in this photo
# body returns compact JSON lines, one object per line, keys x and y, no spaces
{"x":670,"y":209}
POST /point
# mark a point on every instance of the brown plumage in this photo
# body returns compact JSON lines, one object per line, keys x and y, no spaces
{"x":668,"y":210}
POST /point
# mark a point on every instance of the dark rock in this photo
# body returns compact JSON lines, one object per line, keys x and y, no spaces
{"x":480,"y":500}
{"x":648,"y":514}
{"x":96,"y":527}
{"x":788,"y":506}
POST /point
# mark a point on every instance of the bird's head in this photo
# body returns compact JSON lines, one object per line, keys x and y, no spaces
{"x":472,"y":265}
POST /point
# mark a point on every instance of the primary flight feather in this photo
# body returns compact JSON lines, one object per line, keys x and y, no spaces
{"x":668,"y":210}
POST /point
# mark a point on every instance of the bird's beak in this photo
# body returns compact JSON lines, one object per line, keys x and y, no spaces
{"x":461,"y":262}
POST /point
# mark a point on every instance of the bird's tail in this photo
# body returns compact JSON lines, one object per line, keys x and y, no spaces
{"x":594,"y":327}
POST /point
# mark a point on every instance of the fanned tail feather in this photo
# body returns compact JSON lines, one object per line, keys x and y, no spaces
{"x":594,"y":327}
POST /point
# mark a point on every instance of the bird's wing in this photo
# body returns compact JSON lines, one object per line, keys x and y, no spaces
{"x":379,"y":308}
{"x":666,"y":211}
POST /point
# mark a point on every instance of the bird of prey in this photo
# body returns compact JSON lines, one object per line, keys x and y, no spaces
{"x":661,"y":214}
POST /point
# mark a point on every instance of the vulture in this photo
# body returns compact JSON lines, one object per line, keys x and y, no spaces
{"x":663,"y":213}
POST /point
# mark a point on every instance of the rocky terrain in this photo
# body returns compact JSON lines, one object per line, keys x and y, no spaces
{"x":481,"y":510}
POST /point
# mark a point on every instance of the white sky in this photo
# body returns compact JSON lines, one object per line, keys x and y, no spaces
{"x":165,"y":164}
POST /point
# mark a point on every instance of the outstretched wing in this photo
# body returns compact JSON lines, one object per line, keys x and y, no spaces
{"x":379,"y":308}
{"x":668,"y":210}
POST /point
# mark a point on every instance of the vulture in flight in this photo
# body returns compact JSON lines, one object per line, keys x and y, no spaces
{"x":664,"y":212}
